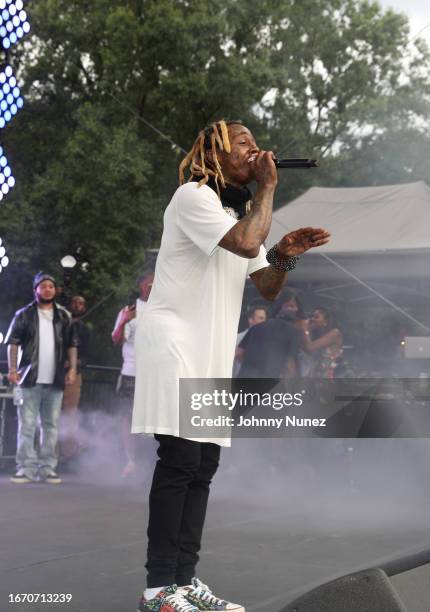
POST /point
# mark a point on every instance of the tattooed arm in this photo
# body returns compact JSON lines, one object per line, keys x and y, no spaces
{"x":270,"y":280}
{"x":249,"y":233}
{"x":12,"y":357}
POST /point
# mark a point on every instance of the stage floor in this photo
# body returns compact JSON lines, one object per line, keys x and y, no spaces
{"x":270,"y":535}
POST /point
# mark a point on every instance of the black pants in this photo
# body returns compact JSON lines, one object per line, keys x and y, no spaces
{"x":177,"y":508}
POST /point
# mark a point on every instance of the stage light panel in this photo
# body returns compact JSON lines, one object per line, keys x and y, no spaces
{"x":4,"y":259}
{"x":14,"y":22}
{"x":10,"y":96}
{"x":7,"y":180}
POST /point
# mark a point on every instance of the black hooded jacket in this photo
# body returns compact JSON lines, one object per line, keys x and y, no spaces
{"x":24,"y":332}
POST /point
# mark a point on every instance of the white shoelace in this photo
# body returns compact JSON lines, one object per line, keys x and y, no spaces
{"x":180,"y":603}
{"x":203,"y":592}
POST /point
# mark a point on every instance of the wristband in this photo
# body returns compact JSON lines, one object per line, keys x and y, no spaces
{"x":284,"y":264}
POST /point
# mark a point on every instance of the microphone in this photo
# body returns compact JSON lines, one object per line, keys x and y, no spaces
{"x":296,"y":162}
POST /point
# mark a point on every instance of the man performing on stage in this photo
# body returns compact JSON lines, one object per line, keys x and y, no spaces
{"x":212,"y":240}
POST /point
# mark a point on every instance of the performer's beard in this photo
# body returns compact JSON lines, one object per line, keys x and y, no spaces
{"x":42,"y":300}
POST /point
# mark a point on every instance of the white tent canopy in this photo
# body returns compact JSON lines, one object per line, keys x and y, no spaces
{"x":361,"y":219}
{"x":379,"y":235}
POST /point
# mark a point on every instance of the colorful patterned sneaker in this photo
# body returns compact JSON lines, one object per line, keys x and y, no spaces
{"x":201,"y":596}
{"x":171,"y":599}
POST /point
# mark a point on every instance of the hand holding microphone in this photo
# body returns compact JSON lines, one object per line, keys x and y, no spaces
{"x":265,"y":166}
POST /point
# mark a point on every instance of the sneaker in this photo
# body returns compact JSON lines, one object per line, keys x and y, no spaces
{"x":200,"y":595}
{"x":52,"y":478}
{"x":171,"y":599}
{"x":20,"y":478}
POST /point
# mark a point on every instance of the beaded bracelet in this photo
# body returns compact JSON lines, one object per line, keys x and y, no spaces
{"x":284,"y":264}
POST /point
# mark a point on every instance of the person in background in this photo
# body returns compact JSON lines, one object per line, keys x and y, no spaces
{"x":123,"y":334}
{"x":291,"y":310}
{"x":323,"y":340}
{"x":69,"y":421}
{"x":257,"y":313}
{"x":269,"y":350}
{"x":44,"y":333}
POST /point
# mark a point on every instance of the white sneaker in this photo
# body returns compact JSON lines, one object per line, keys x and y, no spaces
{"x":20,"y":478}
{"x":52,"y":478}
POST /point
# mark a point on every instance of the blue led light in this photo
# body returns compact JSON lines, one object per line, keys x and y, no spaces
{"x":10,"y":96}
{"x":14,"y":22}
{"x":7,"y":180}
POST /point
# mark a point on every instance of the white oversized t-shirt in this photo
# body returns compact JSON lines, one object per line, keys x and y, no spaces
{"x":189,"y":326}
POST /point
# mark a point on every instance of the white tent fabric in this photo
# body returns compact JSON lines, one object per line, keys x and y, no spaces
{"x":361,"y":219}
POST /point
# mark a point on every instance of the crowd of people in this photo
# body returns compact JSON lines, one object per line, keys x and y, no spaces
{"x":287,"y":343}
{"x":54,"y":343}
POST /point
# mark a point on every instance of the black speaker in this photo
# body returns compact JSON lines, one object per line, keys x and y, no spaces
{"x":366,"y":591}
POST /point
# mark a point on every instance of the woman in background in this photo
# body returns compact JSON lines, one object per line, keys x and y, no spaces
{"x":323,"y":340}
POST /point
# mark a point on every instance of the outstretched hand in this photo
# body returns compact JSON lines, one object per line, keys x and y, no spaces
{"x":301,"y":240}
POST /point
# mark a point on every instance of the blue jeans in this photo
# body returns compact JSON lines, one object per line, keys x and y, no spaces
{"x":42,"y":401}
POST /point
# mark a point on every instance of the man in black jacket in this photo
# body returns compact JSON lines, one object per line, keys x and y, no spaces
{"x":43,"y":332}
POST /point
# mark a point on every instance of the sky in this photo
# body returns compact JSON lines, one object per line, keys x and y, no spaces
{"x":418,"y":12}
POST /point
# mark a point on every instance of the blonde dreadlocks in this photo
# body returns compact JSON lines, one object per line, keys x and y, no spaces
{"x":213,"y":137}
